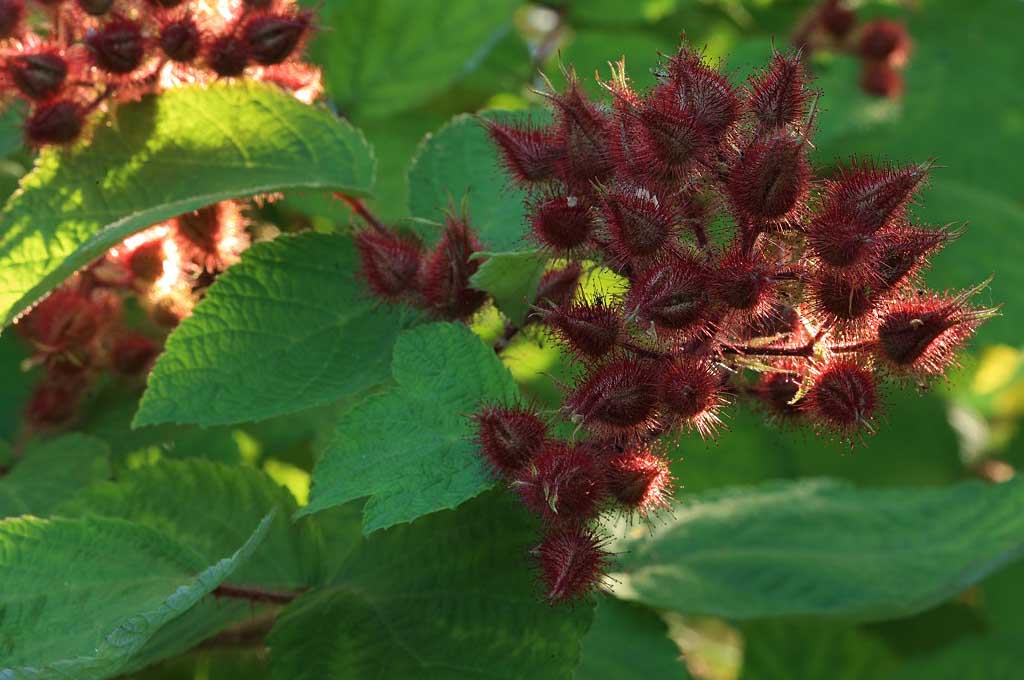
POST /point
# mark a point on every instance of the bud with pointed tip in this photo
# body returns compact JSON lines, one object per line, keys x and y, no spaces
{"x":38,"y":75}
{"x":640,"y":480}
{"x":838,"y":297}
{"x":390,"y":262}
{"x":227,"y":55}
{"x":562,"y":484}
{"x":703,"y":90}
{"x":272,"y":38}
{"x":118,"y":46}
{"x":181,"y":40}
{"x":905,"y":251}
{"x":616,"y":398}
{"x":529,"y":154}
{"x":55,"y":122}
{"x":867,"y":197}
{"x":690,"y":392}
{"x":584,"y":131}
{"x":562,"y":223}
{"x":673,"y":296}
{"x":445,"y":273}
{"x":589,"y":329}
{"x":572,"y":562}
{"x":639,"y":224}
{"x":769,"y":182}
{"x":509,"y":438}
{"x":778,"y":94}
{"x":743,"y":282}
{"x":843,"y":397}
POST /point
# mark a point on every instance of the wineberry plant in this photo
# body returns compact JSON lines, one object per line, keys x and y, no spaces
{"x":391,"y":339}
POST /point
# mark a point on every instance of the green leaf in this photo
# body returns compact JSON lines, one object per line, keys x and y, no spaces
{"x":168,"y":154}
{"x":592,"y":49}
{"x":824,"y":547}
{"x":383,"y":56}
{"x":511,"y":279}
{"x":207,"y":506}
{"x":410,"y":449}
{"x":988,"y":658}
{"x":286,"y":329}
{"x":81,"y":596}
{"x":51,"y":471}
{"x":811,"y":650}
{"x":16,"y":386}
{"x":459,"y":163}
{"x":450,"y":596}
{"x":628,"y":641}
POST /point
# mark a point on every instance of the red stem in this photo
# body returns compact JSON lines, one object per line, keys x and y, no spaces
{"x":359,"y":208}
{"x":254,"y":594}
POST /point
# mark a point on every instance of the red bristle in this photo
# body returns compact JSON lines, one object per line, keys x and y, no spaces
{"x":868,"y":197}
{"x":272,"y":38}
{"x":921,"y":336}
{"x":529,"y":154}
{"x":770,"y":180}
{"x":590,"y":329}
{"x":390,"y":262}
{"x":616,"y":398}
{"x":690,"y":392}
{"x":886,"y":41}
{"x":445,"y":273}
{"x":584,"y":131}
{"x":509,"y":438}
{"x":640,"y":481}
{"x":904,"y":252}
{"x":778,"y":95}
{"x":562,"y":484}
{"x":572,"y":563}
{"x":639,"y":225}
{"x":562,"y":223}
{"x":843,"y":397}
{"x":673,"y":297}
{"x":118,"y":46}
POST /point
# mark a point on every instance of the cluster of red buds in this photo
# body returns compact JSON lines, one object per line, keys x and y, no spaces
{"x":68,"y":58}
{"x":882,"y":45}
{"x":78,"y":332}
{"x":745,"y":278}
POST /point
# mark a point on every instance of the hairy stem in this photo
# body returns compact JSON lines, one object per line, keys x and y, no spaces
{"x":359,"y":208}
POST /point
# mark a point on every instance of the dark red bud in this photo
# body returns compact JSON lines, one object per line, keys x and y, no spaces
{"x":509,"y":438}
{"x":118,"y":46}
{"x":690,"y":391}
{"x":589,"y":329}
{"x":673,"y":296}
{"x":180,"y":40}
{"x":770,"y":180}
{"x":880,"y":79}
{"x":867,"y":197}
{"x":445,"y":274}
{"x":271,"y":38}
{"x":390,"y":262}
{"x":38,"y":76}
{"x":11,"y":14}
{"x":777,"y":391}
{"x":640,"y":480}
{"x":743,"y":281}
{"x":778,"y":95}
{"x":563,"y":483}
{"x":837,"y":19}
{"x":529,"y":154}
{"x":841,"y":298}
{"x":133,"y":353}
{"x":572,"y":562}
{"x":557,"y":288}
{"x":843,"y":396}
{"x":618,"y":397}
{"x":227,"y":56}
{"x":56,"y":122}
{"x":639,"y":224}
{"x":886,"y":41}
{"x":703,"y":90}
{"x":562,"y":223}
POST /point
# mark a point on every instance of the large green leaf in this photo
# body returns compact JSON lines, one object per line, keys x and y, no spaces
{"x":81,"y":596}
{"x":450,"y":596}
{"x":459,"y":163}
{"x":982,"y":658}
{"x":810,"y":650}
{"x":51,"y":471}
{"x":286,"y":329}
{"x":511,"y":279}
{"x":824,"y":547}
{"x":208,"y":506}
{"x":167,"y":155}
{"x":410,"y":449}
{"x":385,"y":56}
{"x":629,"y":641}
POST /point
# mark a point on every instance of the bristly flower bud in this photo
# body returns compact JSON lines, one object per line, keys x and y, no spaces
{"x":905,"y":251}
{"x":572,"y":562}
{"x":562,"y":223}
{"x":640,"y":481}
{"x":868,"y":197}
{"x":690,"y":392}
{"x":770,"y":180}
{"x":778,"y":96}
{"x":11,"y":14}
{"x":590,"y":329}
{"x":38,"y":75}
{"x":640,"y":225}
{"x":180,"y":40}
{"x":616,"y":398}
{"x":556,"y":289}
{"x":744,"y":282}
{"x":390,"y":263}
{"x":52,"y":405}
{"x":778,"y":390}
{"x":880,"y":79}
{"x":63,"y":321}
{"x":509,"y":438}
{"x":271,"y":38}
{"x":227,"y":55}
{"x":562,"y":484}
{"x":886,"y":41}
{"x":841,"y":298}
{"x":445,"y":273}
{"x":529,"y":154}
{"x":837,"y":19}
{"x":921,"y":336}
{"x":118,"y":46}
{"x":843,"y":397}
{"x":583,"y":131}
{"x":673,"y":296}
{"x":703,"y":90}
{"x":55,"y":122}
{"x":133,"y":354}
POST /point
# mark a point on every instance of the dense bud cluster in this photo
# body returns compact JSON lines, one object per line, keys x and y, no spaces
{"x":745,"y":278}
{"x":882,"y":45}
{"x":78,"y":332}
{"x":89,"y":53}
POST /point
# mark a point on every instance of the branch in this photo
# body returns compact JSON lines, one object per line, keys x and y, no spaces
{"x":255,"y":594}
{"x":359,"y":208}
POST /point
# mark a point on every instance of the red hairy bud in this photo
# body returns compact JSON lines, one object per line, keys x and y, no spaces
{"x":618,"y":397}
{"x":665,"y":141}
{"x":689,"y":390}
{"x":146,"y":263}
{"x":572,"y":562}
{"x":562,"y":483}
{"x":271,"y":38}
{"x":640,"y":480}
{"x":777,"y":391}
{"x":227,"y":56}
{"x":770,"y":180}
{"x":638,"y":223}
{"x":133,"y":353}
{"x":64,"y":320}
{"x":904,"y":252}
{"x":117,"y":46}
{"x":841,"y":298}
{"x":589,"y":329}
{"x":880,"y":79}
{"x":11,"y":14}
{"x":921,"y":336}
{"x":55,"y":122}
{"x":390,"y":262}
{"x":703,"y":90}
{"x":584,"y":131}
{"x":96,"y":8}
{"x":837,"y":19}
{"x":557,"y":288}
{"x":52,"y":405}
{"x":562,"y":223}
{"x":445,"y":274}
{"x":180,"y":40}
{"x":843,"y":397}
{"x":778,"y":96}
{"x":885,"y":40}
{"x":529,"y":154}
{"x":673,"y":296}
{"x":38,"y":76}
{"x":509,"y":438}
{"x":743,"y":282}
{"x":867,"y":197}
